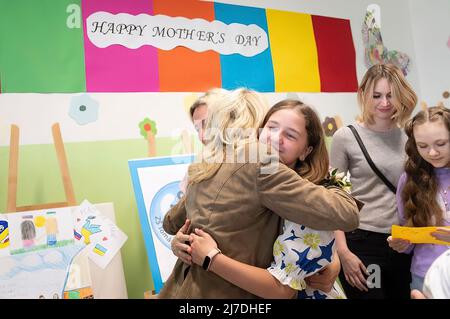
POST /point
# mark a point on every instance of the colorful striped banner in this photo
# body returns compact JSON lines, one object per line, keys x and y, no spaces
{"x":306,"y":53}
{"x":336,"y":54}
{"x":38,"y":53}
{"x":182,"y":69}
{"x":294,"y":51}
{"x":255,"y":72}
{"x":116,"y":68}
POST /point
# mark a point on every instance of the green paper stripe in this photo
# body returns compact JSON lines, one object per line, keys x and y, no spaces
{"x":38,"y":52}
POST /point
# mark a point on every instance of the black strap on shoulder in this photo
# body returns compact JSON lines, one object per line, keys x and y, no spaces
{"x":369,"y":160}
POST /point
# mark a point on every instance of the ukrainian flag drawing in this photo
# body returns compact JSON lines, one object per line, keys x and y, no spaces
{"x":100,"y":250}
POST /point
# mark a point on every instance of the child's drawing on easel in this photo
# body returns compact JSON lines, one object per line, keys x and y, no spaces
{"x":51,"y":228}
{"x":40,"y":229}
{"x":89,"y":229}
{"x":102,"y":237}
{"x":4,"y":237}
{"x":28,"y":232}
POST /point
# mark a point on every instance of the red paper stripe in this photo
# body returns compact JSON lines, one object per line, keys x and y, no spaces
{"x":337,"y":58}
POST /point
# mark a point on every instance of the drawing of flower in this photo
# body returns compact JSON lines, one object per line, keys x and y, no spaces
{"x":146,"y":126}
{"x":329,"y":126}
{"x":83,"y":109}
{"x":148,"y":131}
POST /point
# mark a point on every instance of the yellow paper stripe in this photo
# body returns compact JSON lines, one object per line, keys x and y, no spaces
{"x":416,"y":235}
{"x":294,"y":51}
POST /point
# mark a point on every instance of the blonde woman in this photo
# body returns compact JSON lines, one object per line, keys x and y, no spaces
{"x":299,"y":252}
{"x":387,"y":101}
{"x":241,"y":200}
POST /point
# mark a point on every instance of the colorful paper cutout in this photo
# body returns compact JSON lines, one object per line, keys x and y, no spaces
{"x":83,"y":109}
{"x":77,"y":65}
{"x":375,"y":50}
{"x":149,"y":131}
{"x":331,"y":125}
{"x":417,"y":235}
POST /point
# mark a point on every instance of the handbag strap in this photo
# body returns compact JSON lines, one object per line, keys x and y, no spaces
{"x":369,"y":160}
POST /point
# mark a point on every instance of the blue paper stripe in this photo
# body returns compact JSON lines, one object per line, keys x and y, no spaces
{"x":239,"y":71}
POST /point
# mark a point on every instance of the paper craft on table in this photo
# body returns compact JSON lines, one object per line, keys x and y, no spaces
{"x":417,"y":235}
{"x":101,"y":236}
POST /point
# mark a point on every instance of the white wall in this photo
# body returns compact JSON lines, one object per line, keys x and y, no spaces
{"x":418,"y":28}
{"x":430,"y":24}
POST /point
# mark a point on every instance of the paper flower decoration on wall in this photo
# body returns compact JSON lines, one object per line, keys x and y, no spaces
{"x":83,"y":109}
{"x":331,"y":124}
{"x":375,"y":51}
{"x":149,"y":131}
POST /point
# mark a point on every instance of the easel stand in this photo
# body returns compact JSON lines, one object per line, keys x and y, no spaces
{"x":11,"y":205}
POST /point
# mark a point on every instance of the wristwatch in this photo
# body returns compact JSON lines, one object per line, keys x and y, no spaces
{"x":209,"y":258}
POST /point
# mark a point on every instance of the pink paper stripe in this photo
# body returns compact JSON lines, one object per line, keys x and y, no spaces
{"x":117,"y":68}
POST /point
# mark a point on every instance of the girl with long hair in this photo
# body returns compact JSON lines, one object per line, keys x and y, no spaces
{"x":424,"y":188}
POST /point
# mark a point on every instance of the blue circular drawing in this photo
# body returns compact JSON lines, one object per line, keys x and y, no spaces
{"x":167,"y":197}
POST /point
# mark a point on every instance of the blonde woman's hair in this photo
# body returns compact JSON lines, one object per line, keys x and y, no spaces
{"x":404,"y":99}
{"x":206,"y":99}
{"x":232,"y":122}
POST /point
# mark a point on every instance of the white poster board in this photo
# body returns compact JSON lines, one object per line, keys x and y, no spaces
{"x":156,"y":183}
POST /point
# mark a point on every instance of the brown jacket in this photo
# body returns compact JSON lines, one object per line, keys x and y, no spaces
{"x":241,"y":208}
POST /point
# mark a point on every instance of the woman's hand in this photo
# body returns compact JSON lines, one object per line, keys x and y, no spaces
{"x":179,"y":246}
{"x":398,"y":244}
{"x":442,"y":234}
{"x":201,"y":244}
{"x":354,"y":270}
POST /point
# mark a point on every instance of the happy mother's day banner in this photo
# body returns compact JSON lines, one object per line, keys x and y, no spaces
{"x":170,"y":46}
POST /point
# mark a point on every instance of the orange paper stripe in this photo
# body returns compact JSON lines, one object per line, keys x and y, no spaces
{"x":182,"y":69}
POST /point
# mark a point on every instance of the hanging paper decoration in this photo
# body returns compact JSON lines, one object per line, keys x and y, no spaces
{"x":375,"y":51}
{"x":172,"y":46}
{"x":148,"y":131}
{"x":83,"y":109}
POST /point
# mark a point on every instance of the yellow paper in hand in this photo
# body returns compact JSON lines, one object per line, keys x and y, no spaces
{"x":417,"y":235}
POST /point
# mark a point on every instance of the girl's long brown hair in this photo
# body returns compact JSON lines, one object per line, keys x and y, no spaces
{"x":421,"y":188}
{"x":315,"y":166}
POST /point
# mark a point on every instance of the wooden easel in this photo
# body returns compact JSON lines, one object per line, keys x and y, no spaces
{"x":11,"y":205}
